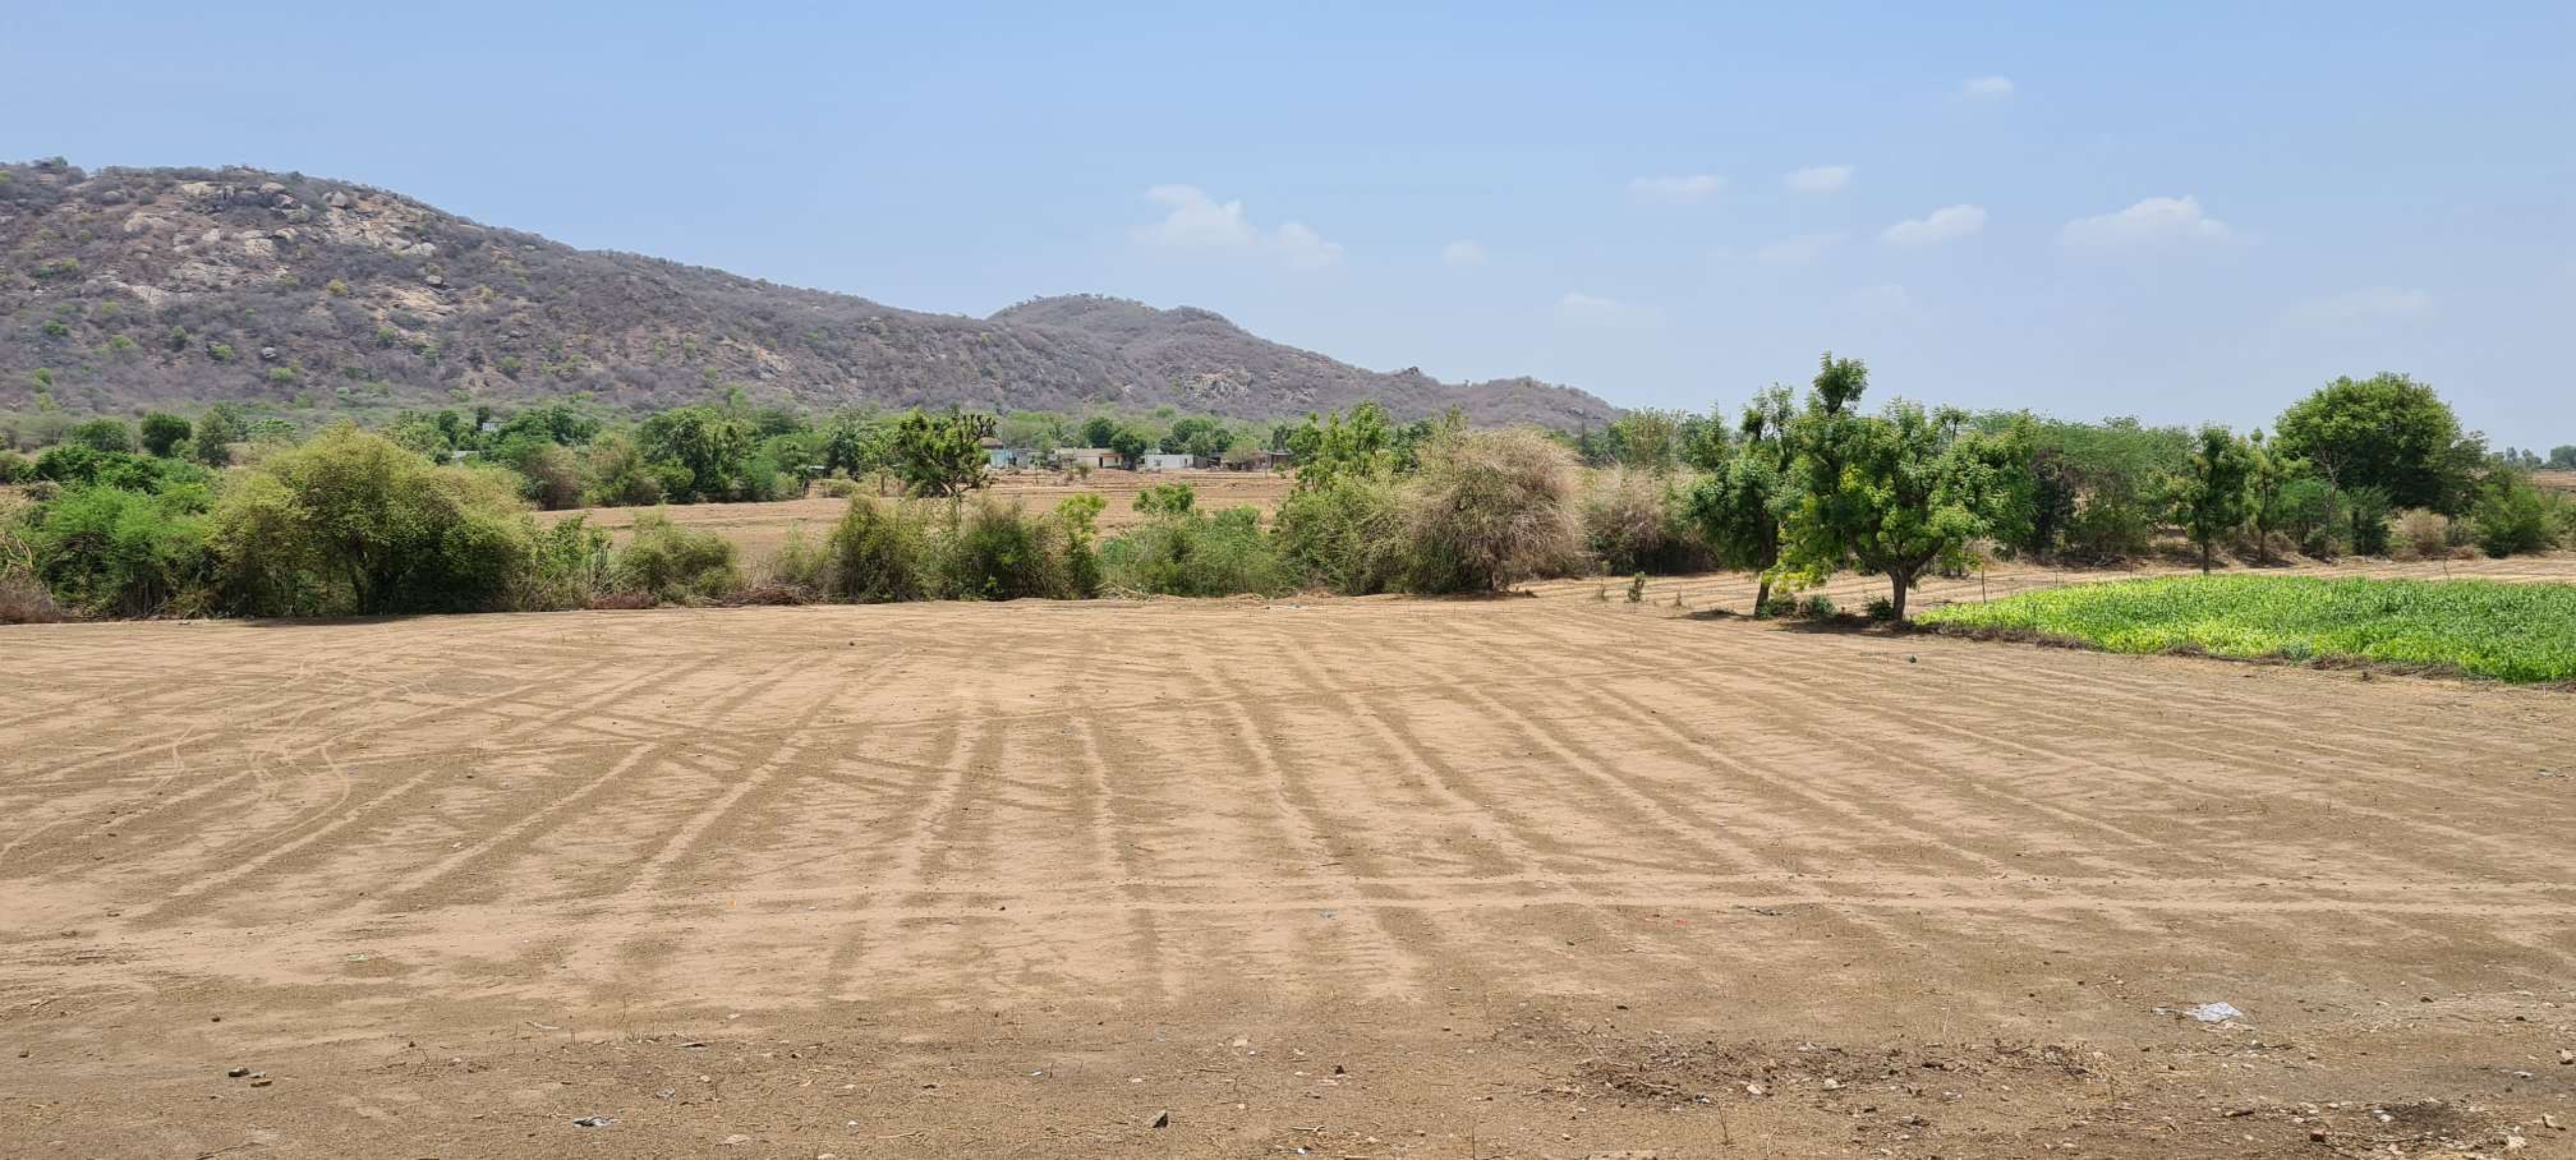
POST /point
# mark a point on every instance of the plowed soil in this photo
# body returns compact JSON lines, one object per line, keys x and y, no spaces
{"x":1525,"y":877}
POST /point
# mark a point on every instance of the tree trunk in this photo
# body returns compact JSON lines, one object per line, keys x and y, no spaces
{"x":1900,"y":581}
{"x":1762,"y":597}
{"x":2206,"y":547}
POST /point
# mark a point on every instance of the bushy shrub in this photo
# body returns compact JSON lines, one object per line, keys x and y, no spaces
{"x":674,"y":564}
{"x":1489,"y":509}
{"x":1077,"y":516}
{"x":101,"y":435}
{"x":79,"y":465}
{"x":1633,"y":521}
{"x":107,"y":551}
{"x":2422,"y":535}
{"x":570,"y":568}
{"x":15,"y":468}
{"x":352,"y":522}
{"x":1190,"y":553}
{"x":1820,"y":607}
{"x":1879,"y":609}
{"x":839,"y":488}
{"x":998,"y":551}
{"x":799,"y":572}
{"x":2513,"y":516}
{"x":875,"y":554}
{"x":1342,"y":533}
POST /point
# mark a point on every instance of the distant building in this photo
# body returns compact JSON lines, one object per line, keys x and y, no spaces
{"x":1158,"y":461}
{"x":1095,"y":458}
{"x":1257,"y":459}
{"x":1010,"y":457}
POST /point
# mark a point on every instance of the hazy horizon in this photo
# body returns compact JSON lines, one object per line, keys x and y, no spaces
{"x":2189,"y":214}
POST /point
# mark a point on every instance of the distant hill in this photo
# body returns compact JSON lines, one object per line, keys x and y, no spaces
{"x":133,"y":287}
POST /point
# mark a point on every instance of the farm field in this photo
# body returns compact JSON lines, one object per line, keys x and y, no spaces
{"x":1545,"y":877}
{"x":758,"y":529}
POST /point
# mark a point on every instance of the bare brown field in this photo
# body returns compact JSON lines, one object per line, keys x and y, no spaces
{"x":1525,"y":877}
{"x":757,"y":529}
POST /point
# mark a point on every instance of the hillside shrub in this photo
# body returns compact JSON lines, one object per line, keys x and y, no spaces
{"x":674,"y":564}
{"x":15,"y":468}
{"x":1489,"y":509}
{"x":875,"y":554}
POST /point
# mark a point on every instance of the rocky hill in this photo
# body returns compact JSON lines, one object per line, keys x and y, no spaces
{"x":132,"y":287}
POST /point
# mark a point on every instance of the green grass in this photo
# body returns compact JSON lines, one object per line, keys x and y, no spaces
{"x":2512,"y":632}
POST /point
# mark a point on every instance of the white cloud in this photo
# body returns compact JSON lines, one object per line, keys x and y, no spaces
{"x":1941,"y":225}
{"x":1594,"y":310}
{"x":1680,"y":190}
{"x":1798,"y":250}
{"x":1463,"y":253}
{"x":2368,"y":304}
{"x":2157,"y":221}
{"x":1818,"y":178}
{"x":1198,"y":222}
{"x":1987,"y":88}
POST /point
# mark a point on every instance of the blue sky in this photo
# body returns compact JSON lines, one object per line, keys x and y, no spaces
{"x":2180,"y":211}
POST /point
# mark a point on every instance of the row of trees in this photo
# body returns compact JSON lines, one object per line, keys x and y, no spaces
{"x":1797,"y":489}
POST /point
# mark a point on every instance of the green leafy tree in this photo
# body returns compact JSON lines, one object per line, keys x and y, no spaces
{"x":2209,"y":496}
{"x":1740,"y":504}
{"x":940,"y":455}
{"x":1330,"y":446}
{"x":1895,"y":494}
{"x":216,"y":432}
{"x":162,"y":433}
{"x":2388,"y":432}
{"x":2562,"y":458}
{"x":1131,"y":443}
{"x":101,"y":435}
{"x":711,"y":444}
{"x":2269,"y":475}
{"x":556,"y":422}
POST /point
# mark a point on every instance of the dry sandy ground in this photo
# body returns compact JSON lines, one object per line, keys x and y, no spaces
{"x":759,"y":528}
{"x":1526,"y":878}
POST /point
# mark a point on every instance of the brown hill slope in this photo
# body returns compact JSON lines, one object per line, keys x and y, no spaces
{"x":132,"y":287}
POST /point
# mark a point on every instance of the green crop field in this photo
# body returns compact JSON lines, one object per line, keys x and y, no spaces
{"x":2512,"y":632}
